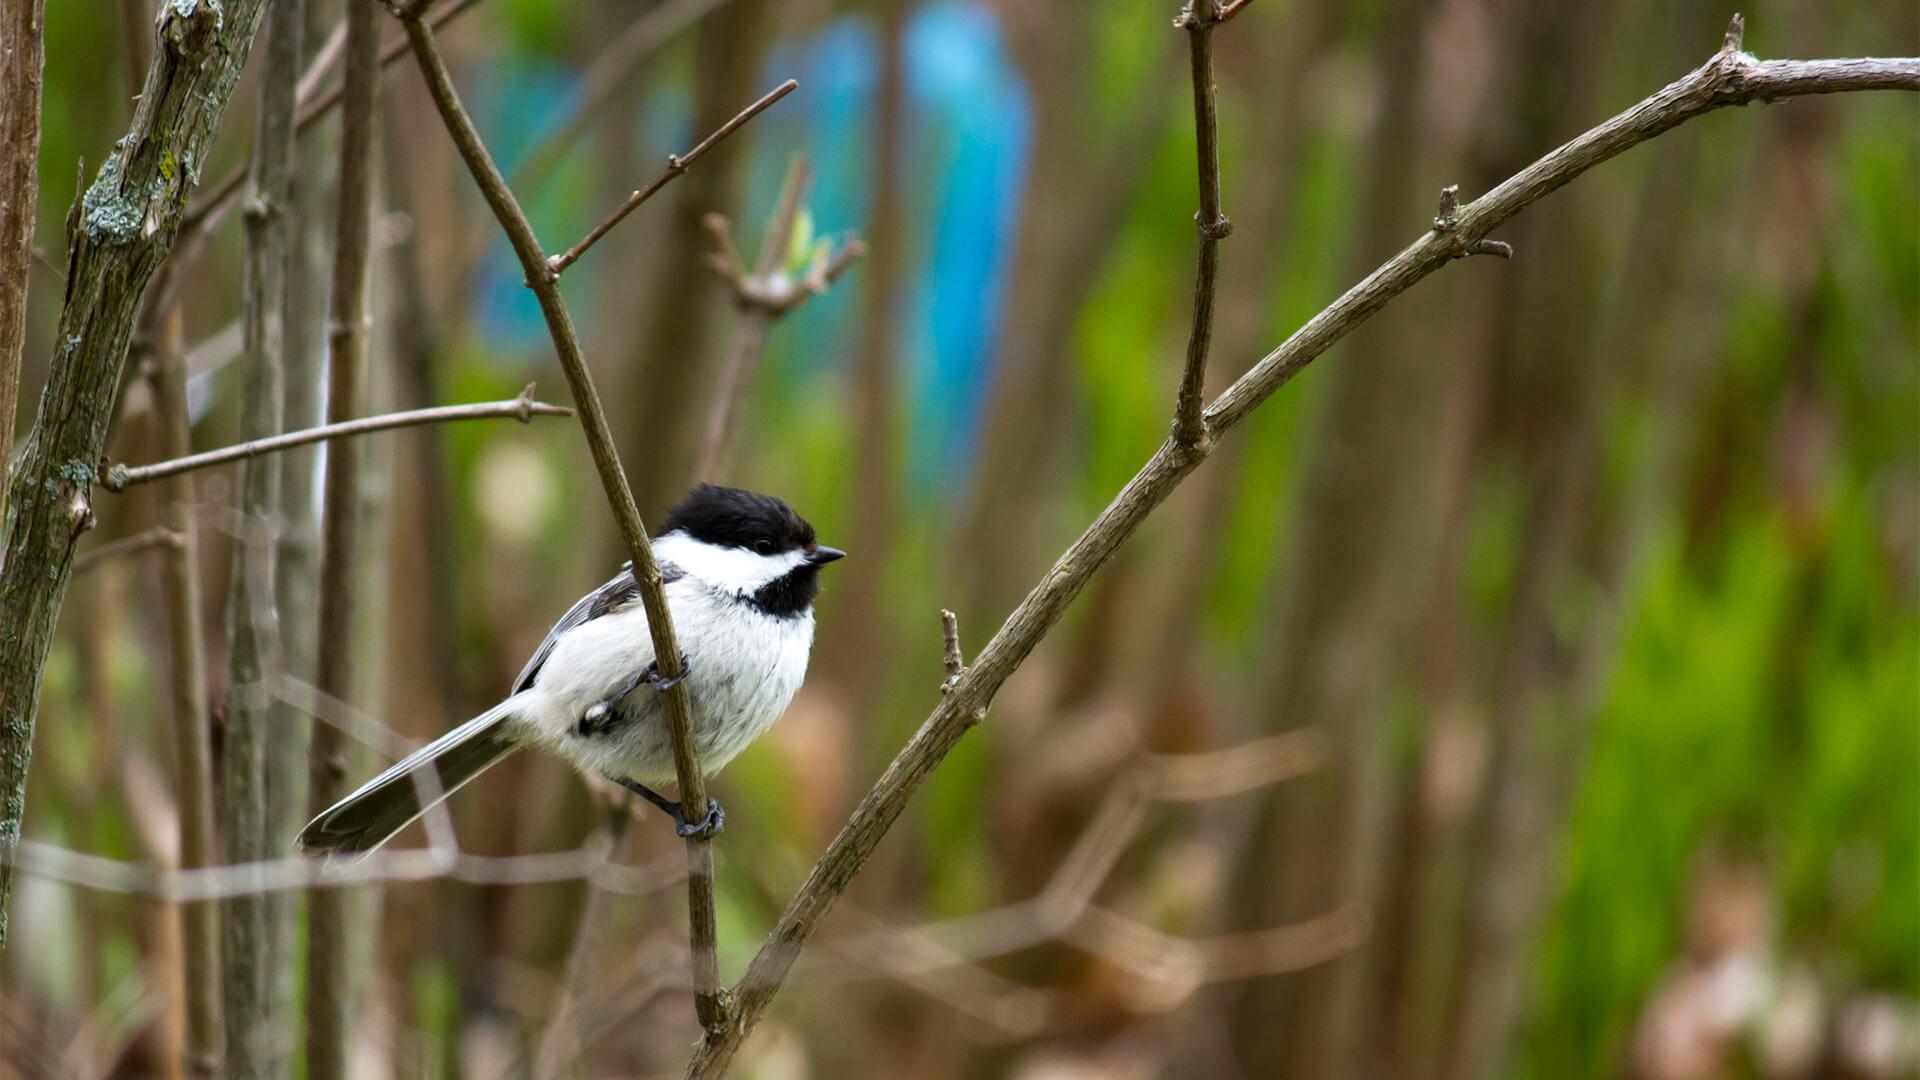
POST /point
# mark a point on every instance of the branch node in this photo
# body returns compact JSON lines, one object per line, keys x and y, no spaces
{"x":1736,"y":33}
{"x":115,"y":478}
{"x":1499,"y":248}
{"x":1218,"y":229}
{"x":525,"y":401}
{"x":1449,"y":214}
{"x":956,"y":664}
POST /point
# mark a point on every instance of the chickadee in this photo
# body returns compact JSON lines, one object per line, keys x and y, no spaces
{"x":741,"y":573}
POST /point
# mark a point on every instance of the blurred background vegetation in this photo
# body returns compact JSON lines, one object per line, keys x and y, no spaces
{"x":1586,"y":587}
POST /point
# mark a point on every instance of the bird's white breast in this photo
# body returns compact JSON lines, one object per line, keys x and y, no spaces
{"x":746,"y":666}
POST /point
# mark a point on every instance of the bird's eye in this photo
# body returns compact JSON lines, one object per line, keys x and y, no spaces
{"x":764,"y":547}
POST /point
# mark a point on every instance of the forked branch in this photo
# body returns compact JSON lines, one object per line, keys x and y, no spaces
{"x":1730,"y":77}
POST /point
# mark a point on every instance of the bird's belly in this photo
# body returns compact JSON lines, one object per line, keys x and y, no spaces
{"x":746,"y":668}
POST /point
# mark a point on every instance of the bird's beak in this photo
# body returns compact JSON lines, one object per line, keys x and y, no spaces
{"x":824,"y":554}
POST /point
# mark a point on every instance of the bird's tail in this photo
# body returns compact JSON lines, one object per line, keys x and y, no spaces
{"x":389,"y":802}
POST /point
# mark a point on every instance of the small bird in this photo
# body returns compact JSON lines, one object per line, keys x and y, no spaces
{"x":741,"y":571}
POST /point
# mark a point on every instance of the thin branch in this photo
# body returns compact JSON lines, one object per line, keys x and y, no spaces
{"x":1198,"y":18}
{"x":1731,"y":77}
{"x":158,"y":536}
{"x":676,"y":165}
{"x":543,"y":280}
{"x":312,"y":106}
{"x":522,"y":408}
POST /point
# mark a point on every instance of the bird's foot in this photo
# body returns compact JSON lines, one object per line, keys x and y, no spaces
{"x":707,"y":827}
{"x":599,"y":716}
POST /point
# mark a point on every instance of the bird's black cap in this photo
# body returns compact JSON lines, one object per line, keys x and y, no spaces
{"x":730,"y":517}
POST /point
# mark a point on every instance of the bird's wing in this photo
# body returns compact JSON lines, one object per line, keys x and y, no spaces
{"x":616,"y":594}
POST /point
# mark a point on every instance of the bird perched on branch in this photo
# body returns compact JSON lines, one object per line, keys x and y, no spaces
{"x":741,"y":572}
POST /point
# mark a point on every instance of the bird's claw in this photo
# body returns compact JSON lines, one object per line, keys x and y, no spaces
{"x":654,"y":679}
{"x":599,"y":715}
{"x":706,"y":828}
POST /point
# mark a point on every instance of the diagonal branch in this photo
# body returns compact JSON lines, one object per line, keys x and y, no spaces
{"x":522,"y":408}
{"x":677,"y":164}
{"x":1730,"y":77}
{"x":544,"y":281}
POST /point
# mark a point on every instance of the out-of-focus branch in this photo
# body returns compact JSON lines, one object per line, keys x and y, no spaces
{"x":677,"y":164}
{"x":118,"y":233}
{"x":158,"y":536}
{"x":609,"y":71}
{"x":23,"y":24}
{"x":329,"y":977}
{"x":193,"y":754}
{"x":297,"y":872}
{"x":312,"y":106}
{"x":542,"y":277}
{"x":247,"y":973}
{"x":522,"y":408}
{"x":1730,"y":77}
{"x":762,"y":295}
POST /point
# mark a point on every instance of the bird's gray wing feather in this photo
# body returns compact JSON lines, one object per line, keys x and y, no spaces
{"x":619,"y":592}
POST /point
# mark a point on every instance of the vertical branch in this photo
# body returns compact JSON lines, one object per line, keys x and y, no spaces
{"x":118,"y":233}
{"x":180,"y":580}
{"x":328,"y":948}
{"x":1199,"y":18}
{"x":22,"y":26}
{"x":252,"y":656}
{"x":541,"y":277}
{"x":296,"y":548}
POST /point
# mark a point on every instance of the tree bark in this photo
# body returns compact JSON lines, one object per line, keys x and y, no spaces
{"x":21,"y":61}
{"x":118,"y":233}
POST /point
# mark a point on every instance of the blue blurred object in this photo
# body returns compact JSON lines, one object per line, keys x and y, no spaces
{"x":966,"y":146}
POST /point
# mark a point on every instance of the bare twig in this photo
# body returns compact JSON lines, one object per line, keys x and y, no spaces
{"x":158,"y":536}
{"x":677,"y":164}
{"x":543,"y":280}
{"x":180,"y":578}
{"x":1729,"y":78}
{"x":522,"y":408}
{"x":1198,"y":18}
{"x":329,"y":982}
{"x":312,"y":106}
{"x":762,"y":296}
